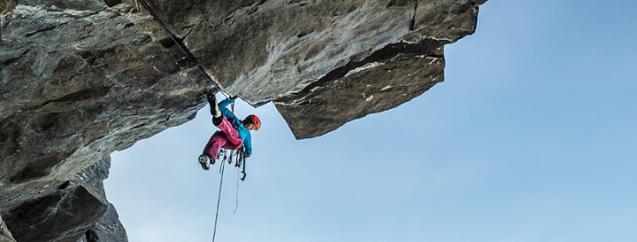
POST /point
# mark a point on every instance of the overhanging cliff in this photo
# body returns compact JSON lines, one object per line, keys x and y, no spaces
{"x":81,"y":79}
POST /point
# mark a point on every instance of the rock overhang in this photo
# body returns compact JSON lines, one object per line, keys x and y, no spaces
{"x":80,"y":79}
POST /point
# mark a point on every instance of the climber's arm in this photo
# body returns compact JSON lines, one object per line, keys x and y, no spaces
{"x":248,"y":145}
{"x":223,"y":107}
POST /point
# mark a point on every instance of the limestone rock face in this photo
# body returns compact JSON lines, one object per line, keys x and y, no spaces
{"x":80,"y":79}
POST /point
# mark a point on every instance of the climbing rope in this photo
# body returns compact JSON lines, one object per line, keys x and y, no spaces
{"x":214,"y":232}
{"x":236,"y":196}
{"x":229,"y":156}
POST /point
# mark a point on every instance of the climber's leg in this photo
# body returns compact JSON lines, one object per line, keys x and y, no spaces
{"x":214,"y":108}
{"x":231,"y":134}
{"x":215,"y":143}
{"x":211,"y":151}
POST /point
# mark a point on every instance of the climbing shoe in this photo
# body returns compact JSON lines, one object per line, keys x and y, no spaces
{"x":204,"y":161}
{"x":210,"y":96}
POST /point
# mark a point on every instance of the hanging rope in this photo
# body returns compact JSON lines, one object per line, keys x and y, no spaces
{"x":236,"y":196}
{"x":214,"y":232}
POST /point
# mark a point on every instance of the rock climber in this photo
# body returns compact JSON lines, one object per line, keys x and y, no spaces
{"x":233,"y":133}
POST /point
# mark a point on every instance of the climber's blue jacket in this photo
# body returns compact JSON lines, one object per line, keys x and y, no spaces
{"x":238,"y":125}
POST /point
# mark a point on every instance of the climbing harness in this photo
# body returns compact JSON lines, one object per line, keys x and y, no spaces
{"x":238,"y":157}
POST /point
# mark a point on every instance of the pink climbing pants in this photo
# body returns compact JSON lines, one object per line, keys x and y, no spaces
{"x":227,"y":137}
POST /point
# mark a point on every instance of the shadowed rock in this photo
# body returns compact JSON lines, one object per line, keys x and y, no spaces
{"x":5,"y":234}
{"x":109,"y":228}
{"x":65,"y":215}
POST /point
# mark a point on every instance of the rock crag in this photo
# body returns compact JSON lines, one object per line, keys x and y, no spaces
{"x":80,"y":79}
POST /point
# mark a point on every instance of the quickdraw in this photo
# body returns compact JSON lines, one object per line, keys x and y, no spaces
{"x":237,"y":157}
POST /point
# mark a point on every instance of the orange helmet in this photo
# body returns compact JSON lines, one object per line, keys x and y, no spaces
{"x":253,"y":119}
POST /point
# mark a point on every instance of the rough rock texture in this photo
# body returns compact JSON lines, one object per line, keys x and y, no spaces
{"x":297,"y":51}
{"x":263,"y":50}
{"x":353,"y":91}
{"x":78,"y":84}
{"x":385,"y":79}
{"x":5,"y":234}
{"x":66,"y":214}
{"x":77,"y":211}
{"x":80,"y":79}
{"x":107,"y":229}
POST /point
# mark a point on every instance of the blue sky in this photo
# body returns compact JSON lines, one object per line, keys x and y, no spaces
{"x":532,"y":137}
